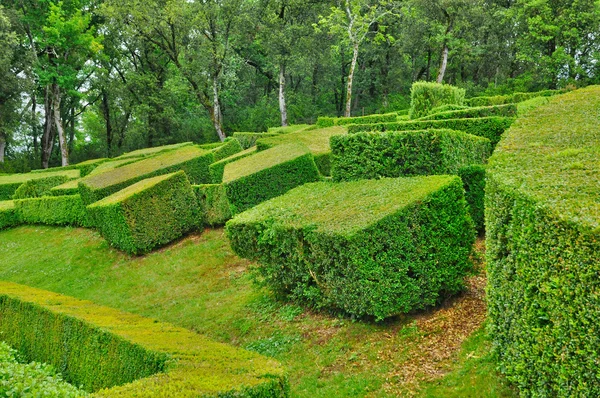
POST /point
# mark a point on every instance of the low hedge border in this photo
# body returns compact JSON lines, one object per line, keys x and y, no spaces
{"x":145,"y":152}
{"x":248,"y":140}
{"x":117,"y":354}
{"x":218,"y":168}
{"x":425,"y":96}
{"x":509,"y":110}
{"x":38,"y":187}
{"x":10,"y":183}
{"x":488,"y":127}
{"x":148,"y":214}
{"x":511,"y":98}
{"x":370,"y":248}
{"x":53,"y":210}
{"x":229,"y":147}
{"x":84,"y":168}
{"x":9,"y":217}
{"x":343,"y":121}
{"x":214,"y":207}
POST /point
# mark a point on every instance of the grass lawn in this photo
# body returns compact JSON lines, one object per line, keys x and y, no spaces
{"x":198,"y":283}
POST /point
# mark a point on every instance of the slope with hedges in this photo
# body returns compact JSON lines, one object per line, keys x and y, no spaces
{"x":543,"y":248}
{"x":10,"y":183}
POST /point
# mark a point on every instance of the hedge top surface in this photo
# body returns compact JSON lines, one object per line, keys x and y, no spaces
{"x":345,"y":207}
{"x":263,"y":160}
{"x":146,"y":166}
{"x":21,"y":178}
{"x":553,"y":156}
{"x":7,"y":205}
{"x":132,"y":190}
{"x":200,"y":366}
{"x":152,"y":151}
{"x":316,"y":140}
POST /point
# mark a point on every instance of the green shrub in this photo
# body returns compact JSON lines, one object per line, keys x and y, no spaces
{"x":84,"y":168}
{"x":194,"y":161}
{"x":530,"y":105}
{"x":511,"y":98}
{"x":248,"y":140}
{"x":294,"y":128}
{"x":10,"y":183}
{"x":9,"y":217}
{"x":53,"y":210}
{"x":38,"y":187}
{"x":316,"y":140}
{"x":487,"y":127}
{"x":323,"y":122}
{"x":473,"y":177}
{"x":425,"y":96}
{"x":509,"y":110}
{"x":446,"y":108}
{"x":267,"y":174}
{"x":230,"y":146}
{"x":216,"y":169}
{"x":397,"y":154}
{"x":543,"y":248}
{"x":145,"y":152}
{"x":211,"y":145}
{"x":148,"y":214}
{"x":214,"y":207}
{"x":370,"y":248}
{"x":116,"y":354}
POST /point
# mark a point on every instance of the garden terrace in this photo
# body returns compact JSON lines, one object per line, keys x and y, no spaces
{"x":194,"y":161}
{"x":370,"y":248}
{"x":116,"y":354}
{"x":10,"y":183}
{"x":543,"y":247}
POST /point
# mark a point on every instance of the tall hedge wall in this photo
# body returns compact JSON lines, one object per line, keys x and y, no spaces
{"x":53,"y":210}
{"x":9,"y":217}
{"x":488,"y":127}
{"x":194,"y":161}
{"x":267,"y":174}
{"x":214,"y":207}
{"x":509,"y":110}
{"x":370,"y":248}
{"x":543,"y":248}
{"x":102,"y":349}
{"x":425,"y":96}
{"x":148,"y":214}
{"x":10,"y":183}
{"x":396,"y":154}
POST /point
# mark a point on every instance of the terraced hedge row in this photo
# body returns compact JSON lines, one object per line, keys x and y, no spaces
{"x":116,"y":354}
{"x":509,"y":110}
{"x":10,"y":183}
{"x":425,"y":96}
{"x":511,"y":98}
{"x":344,"y":121}
{"x":8,"y":215}
{"x":543,"y":248}
{"x":53,"y":210}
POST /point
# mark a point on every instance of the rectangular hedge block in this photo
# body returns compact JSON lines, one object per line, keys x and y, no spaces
{"x":370,"y":248}
{"x":489,"y":127}
{"x":214,"y":207}
{"x":218,"y":168}
{"x":425,"y":96}
{"x":53,"y":210}
{"x":145,"y":152}
{"x":229,"y":147}
{"x":117,"y":354}
{"x":509,"y":110}
{"x":9,"y":217}
{"x":194,"y":161}
{"x":396,"y":154}
{"x":148,"y":214}
{"x":343,"y":121}
{"x":38,"y":187}
{"x":268,"y":174}
{"x":10,"y":183}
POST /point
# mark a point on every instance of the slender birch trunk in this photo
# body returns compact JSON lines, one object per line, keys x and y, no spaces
{"x":444,"y":64}
{"x":2,"y":146}
{"x":282,"y":104}
{"x":215,"y":113}
{"x":348,"y":110}
{"x":62,"y":139}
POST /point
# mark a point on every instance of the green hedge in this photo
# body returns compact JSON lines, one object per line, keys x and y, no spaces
{"x":10,"y":183}
{"x":9,"y":217}
{"x":425,"y":96}
{"x":543,"y":248}
{"x":53,"y":210}
{"x":194,"y":161}
{"x":230,"y":146}
{"x":323,"y":122}
{"x":145,"y":152}
{"x":509,"y":110}
{"x":267,"y":174}
{"x":116,"y":354}
{"x":214,"y":207}
{"x":396,"y":154}
{"x":148,"y":214}
{"x":216,"y":169}
{"x":294,"y":128}
{"x":248,"y":140}
{"x":511,"y":98}
{"x":38,"y":187}
{"x":488,"y":127}
{"x":84,"y":168}
{"x":370,"y":248}
{"x":446,"y":108}
{"x":473,"y":177}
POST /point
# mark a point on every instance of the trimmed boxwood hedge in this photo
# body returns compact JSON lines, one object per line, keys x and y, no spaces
{"x":473,"y":177}
{"x":370,"y":248}
{"x":396,"y":154}
{"x":248,"y":140}
{"x":511,"y":98}
{"x":38,"y":187}
{"x":9,"y":217}
{"x":145,"y":152}
{"x":252,"y":180}
{"x":446,"y":108}
{"x":148,"y":214}
{"x":194,"y":161}
{"x":509,"y":110}
{"x":214,"y":207}
{"x":84,"y":168}
{"x":543,"y":248}
{"x":117,"y":354}
{"x":488,"y":127}
{"x":343,"y":121}
{"x":229,"y":147}
{"x":53,"y":210}
{"x":425,"y":96}
{"x":216,"y":169}
{"x":10,"y":183}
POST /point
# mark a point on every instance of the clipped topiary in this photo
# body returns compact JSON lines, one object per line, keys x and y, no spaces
{"x":9,"y":217}
{"x":53,"y":210}
{"x":425,"y":96}
{"x":10,"y":183}
{"x":213,"y":204}
{"x":38,"y":187}
{"x":218,"y":168}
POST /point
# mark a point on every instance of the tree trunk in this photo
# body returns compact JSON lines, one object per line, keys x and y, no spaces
{"x":444,"y":64}
{"x":34,"y":125}
{"x":348,"y":110}
{"x":48,"y":136}
{"x":107,"y":121}
{"x":64,"y":149}
{"x":215,"y":113}
{"x":2,"y":146}
{"x":282,"y":104}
